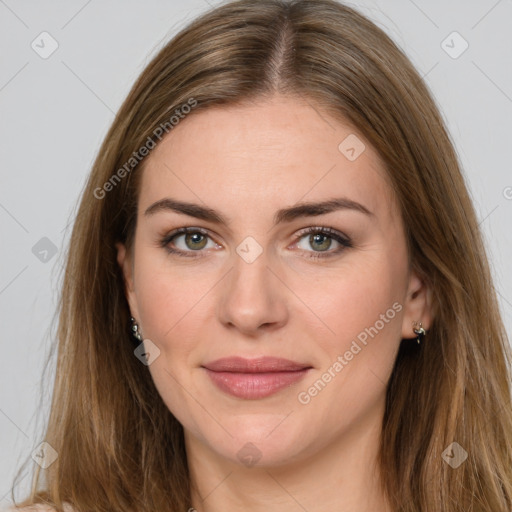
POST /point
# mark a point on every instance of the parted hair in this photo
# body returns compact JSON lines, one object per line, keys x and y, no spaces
{"x":119,"y":447}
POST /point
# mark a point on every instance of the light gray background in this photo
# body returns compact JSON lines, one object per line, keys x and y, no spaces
{"x":55,"y":112}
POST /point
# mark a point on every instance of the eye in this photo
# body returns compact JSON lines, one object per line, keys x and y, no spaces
{"x":194,"y":240}
{"x":322,"y":240}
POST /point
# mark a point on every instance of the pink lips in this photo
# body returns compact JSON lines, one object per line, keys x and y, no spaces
{"x":254,"y":378}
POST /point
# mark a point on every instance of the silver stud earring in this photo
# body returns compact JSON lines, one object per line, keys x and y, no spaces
{"x":419,"y":331}
{"x":135,"y":329}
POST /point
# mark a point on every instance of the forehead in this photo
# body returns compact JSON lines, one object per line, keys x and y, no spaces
{"x":260,"y":156}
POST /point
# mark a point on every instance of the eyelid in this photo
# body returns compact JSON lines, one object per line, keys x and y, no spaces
{"x":324,"y":230}
{"x":343,"y":240}
{"x":166,"y":239}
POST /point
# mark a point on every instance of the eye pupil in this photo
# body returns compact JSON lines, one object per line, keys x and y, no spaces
{"x":195,"y":238}
{"x":317,"y":238}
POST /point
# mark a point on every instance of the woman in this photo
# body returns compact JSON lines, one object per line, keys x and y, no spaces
{"x":278,"y":222}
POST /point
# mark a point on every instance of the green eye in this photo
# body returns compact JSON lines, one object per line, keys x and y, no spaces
{"x":196,"y":239}
{"x":321,"y":239}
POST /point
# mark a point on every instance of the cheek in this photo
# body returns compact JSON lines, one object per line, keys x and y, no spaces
{"x":167,"y":299}
{"x":360,"y":310}
{"x":170,"y":308}
{"x":363,"y":309}
{"x":351,"y":298}
{"x":339,"y":304}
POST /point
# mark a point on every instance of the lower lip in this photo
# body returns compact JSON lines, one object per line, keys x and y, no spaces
{"x":254,"y":385}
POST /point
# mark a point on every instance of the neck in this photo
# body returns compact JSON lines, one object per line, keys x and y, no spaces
{"x":342,"y":476}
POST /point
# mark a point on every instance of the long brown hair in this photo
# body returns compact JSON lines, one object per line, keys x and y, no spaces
{"x":119,"y":447}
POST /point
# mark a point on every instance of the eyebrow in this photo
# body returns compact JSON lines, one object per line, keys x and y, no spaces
{"x":284,"y":215}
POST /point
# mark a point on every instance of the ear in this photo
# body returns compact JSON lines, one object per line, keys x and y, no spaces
{"x":126,"y":263}
{"x":417,"y":307}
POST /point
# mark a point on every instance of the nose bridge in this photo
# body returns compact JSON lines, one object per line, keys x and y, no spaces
{"x":252,"y":295}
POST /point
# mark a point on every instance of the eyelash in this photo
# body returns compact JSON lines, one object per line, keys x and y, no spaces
{"x":345,"y":242}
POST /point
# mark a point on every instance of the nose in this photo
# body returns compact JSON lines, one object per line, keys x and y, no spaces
{"x":254,"y":298}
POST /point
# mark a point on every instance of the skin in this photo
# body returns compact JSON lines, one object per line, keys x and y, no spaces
{"x":248,"y":161}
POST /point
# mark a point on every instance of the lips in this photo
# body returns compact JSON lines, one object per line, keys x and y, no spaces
{"x":258,"y":365}
{"x":254,"y":378}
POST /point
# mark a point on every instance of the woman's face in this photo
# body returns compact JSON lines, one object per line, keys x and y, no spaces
{"x":249,"y":282}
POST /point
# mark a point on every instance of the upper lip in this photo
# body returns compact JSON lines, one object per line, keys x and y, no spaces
{"x":258,"y":365}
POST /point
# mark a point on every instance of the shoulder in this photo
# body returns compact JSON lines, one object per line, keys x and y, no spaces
{"x":31,"y":508}
{"x":38,"y":508}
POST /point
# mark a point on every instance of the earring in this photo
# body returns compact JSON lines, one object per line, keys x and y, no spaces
{"x":135,"y":329}
{"x":419,"y":331}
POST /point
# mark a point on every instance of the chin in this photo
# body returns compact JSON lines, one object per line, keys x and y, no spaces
{"x":259,"y":440}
